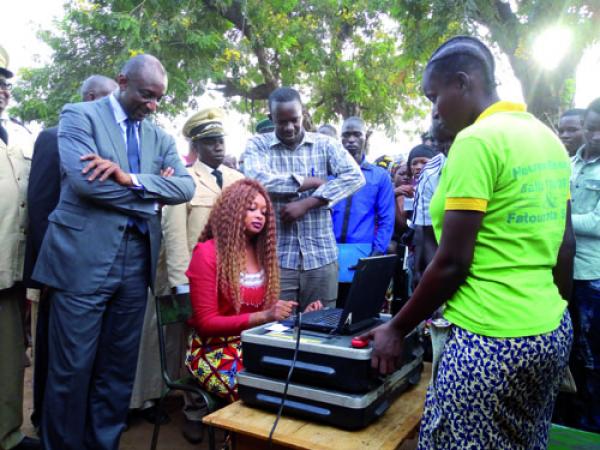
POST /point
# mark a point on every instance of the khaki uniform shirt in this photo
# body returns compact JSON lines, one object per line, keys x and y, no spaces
{"x":182,"y":224}
{"x":15,"y":162}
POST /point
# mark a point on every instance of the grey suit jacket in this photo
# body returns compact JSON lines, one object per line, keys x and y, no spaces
{"x":87,"y":226}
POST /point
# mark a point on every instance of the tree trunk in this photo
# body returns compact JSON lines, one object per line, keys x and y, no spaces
{"x":234,"y":13}
{"x":545,"y":92}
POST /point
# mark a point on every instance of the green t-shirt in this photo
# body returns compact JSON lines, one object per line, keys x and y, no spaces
{"x":514,"y":169}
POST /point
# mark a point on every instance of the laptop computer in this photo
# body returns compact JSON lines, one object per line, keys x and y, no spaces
{"x":371,"y":280}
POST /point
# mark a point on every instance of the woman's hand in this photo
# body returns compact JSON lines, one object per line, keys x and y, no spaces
{"x":281,"y":310}
{"x":405,"y":190}
{"x":387,"y":348}
{"x":314,"y":306}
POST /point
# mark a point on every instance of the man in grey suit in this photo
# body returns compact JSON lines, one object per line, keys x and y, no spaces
{"x":43,"y":192}
{"x":99,"y":254}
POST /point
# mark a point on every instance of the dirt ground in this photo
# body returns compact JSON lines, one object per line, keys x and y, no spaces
{"x":139,"y":434}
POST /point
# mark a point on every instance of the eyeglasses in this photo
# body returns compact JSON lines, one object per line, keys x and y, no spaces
{"x":5,"y":86}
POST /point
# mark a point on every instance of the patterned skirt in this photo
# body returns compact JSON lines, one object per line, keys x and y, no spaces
{"x":215,"y":363}
{"x":495,"y":393}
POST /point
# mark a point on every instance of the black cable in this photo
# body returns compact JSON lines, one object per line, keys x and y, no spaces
{"x":298,"y":322}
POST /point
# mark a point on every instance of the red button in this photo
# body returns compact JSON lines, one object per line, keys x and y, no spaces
{"x":359,"y":343}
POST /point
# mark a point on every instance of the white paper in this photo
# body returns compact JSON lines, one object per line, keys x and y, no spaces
{"x":277,"y":327}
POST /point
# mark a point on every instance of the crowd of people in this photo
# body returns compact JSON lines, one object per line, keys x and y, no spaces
{"x":495,"y":220}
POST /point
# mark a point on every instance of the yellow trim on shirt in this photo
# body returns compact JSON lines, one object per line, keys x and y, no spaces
{"x":466,"y":204}
{"x":501,"y":106}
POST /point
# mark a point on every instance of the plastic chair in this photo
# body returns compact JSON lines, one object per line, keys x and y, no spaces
{"x":170,"y":310}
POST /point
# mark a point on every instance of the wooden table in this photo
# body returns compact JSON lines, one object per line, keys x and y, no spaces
{"x":252,"y":426}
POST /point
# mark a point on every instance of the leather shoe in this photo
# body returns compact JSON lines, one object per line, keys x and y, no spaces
{"x":29,"y":444}
{"x":193,"y":431}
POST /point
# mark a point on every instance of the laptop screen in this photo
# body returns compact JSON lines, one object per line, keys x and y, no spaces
{"x":367,"y":293}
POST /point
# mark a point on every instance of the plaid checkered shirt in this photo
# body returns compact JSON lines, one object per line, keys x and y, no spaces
{"x":308,"y":243}
{"x":428,"y":182}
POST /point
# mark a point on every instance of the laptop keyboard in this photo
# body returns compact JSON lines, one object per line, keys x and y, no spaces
{"x":327,"y":317}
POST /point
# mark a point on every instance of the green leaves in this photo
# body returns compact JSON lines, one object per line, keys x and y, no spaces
{"x":512,"y":27}
{"x":347,"y":57}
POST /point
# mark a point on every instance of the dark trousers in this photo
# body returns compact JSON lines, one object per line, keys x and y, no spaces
{"x":40,"y":365}
{"x":92,"y":354}
{"x":585,"y":358}
{"x":12,"y":350}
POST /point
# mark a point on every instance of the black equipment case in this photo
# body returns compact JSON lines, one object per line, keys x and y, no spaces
{"x":340,"y":409}
{"x":323,"y":361}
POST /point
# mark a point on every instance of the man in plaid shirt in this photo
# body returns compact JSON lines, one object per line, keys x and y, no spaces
{"x":295,"y":167}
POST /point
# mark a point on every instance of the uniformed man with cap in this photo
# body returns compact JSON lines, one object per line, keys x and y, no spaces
{"x":16,"y":146}
{"x":265,"y":126}
{"x":182,"y":224}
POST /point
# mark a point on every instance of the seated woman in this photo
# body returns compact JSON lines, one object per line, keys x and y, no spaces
{"x":234,"y":285}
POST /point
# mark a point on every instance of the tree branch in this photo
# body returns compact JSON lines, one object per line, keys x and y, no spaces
{"x":502,"y":23}
{"x":235,"y":14}
{"x":230,"y":88}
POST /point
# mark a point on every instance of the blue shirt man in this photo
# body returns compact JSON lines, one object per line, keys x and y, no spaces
{"x":363,"y":223}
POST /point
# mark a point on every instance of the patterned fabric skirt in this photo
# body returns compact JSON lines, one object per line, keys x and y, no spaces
{"x":215,"y":363}
{"x":493,"y":393}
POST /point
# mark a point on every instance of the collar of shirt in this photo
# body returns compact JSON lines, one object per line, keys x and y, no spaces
{"x":501,"y":106}
{"x":121,"y":117}
{"x":208,"y":168}
{"x":365,"y":165}
{"x":308,"y":138}
{"x":118,"y":111}
{"x":578,"y":157}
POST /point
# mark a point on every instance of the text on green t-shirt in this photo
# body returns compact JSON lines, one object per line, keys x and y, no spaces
{"x":512,"y":167}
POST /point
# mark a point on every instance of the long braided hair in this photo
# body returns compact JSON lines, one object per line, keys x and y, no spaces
{"x":226,"y":226}
{"x":464,"y":53}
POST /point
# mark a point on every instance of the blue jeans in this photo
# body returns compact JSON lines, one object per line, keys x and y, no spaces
{"x":586,"y":351}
